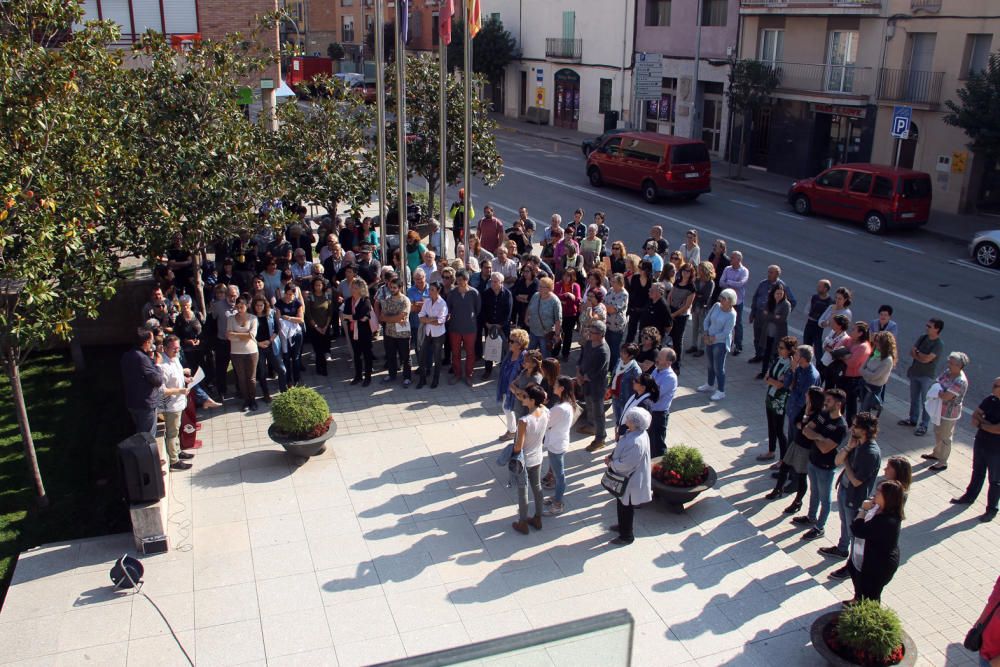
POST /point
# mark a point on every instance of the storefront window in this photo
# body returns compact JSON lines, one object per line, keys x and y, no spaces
{"x":661,"y":113}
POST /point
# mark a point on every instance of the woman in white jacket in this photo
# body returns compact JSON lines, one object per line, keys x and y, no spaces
{"x":631,"y":459}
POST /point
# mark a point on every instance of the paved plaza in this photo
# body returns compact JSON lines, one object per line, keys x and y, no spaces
{"x":397,"y":541}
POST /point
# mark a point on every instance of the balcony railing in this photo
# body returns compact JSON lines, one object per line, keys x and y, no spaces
{"x":933,"y":6}
{"x":812,"y":6}
{"x":565,"y":49}
{"x":830,"y":79}
{"x":910,"y":85}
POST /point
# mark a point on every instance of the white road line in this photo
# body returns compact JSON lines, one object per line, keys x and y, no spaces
{"x":790,"y":215}
{"x":709,"y":194}
{"x":923,"y":304}
{"x":744,"y":203}
{"x":972,"y":265}
{"x":903,"y":246}
{"x":842,"y":230}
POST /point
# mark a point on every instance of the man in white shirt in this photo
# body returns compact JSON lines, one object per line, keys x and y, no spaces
{"x":433,"y":316}
{"x":175,"y":392}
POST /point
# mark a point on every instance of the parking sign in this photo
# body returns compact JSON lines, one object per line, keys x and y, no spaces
{"x":901,"y":117}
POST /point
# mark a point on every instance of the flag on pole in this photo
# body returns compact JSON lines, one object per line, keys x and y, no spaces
{"x":404,"y":20}
{"x":474,"y":17}
{"x":444,"y":20}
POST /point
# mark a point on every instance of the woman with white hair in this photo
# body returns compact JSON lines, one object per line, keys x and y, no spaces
{"x":591,"y":248}
{"x":718,"y":336}
{"x":951,"y":388}
{"x":631,"y":459}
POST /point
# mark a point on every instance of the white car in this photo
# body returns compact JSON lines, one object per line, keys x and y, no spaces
{"x":985,"y":248}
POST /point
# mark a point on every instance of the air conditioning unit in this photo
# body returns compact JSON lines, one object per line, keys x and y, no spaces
{"x":730,"y":50}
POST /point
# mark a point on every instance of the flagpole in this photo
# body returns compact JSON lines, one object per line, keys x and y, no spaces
{"x":467,"y":80}
{"x":380,"y":122}
{"x":401,"y":208}
{"x":443,"y":133}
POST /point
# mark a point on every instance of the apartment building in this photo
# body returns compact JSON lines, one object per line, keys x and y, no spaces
{"x":344,"y":22}
{"x":686,"y":108}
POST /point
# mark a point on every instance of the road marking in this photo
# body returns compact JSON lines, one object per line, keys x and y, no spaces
{"x":903,"y":246}
{"x":790,"y":215}
{"x":972,"y":265}
{"x":748,"y":244}
{"x":744,"y":203}
{"x":838,"y":228}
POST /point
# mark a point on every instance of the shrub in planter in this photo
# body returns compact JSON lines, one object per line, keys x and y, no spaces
{"x":681,"y":466}
{"x":301,"y":413}
{"x":867,"y":633}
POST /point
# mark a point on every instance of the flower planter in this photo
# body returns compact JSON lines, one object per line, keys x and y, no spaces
{"x":675,"y":496}
{"x":816,"y":634}
{"x":303,"y":449}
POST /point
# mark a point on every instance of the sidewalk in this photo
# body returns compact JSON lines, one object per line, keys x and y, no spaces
{"x":946,"y":226}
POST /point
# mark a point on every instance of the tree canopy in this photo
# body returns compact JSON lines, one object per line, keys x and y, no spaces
{"x":978,"y":109}
{"x":492,"y":48}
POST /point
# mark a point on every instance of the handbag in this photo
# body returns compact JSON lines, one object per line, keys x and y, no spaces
{"x":615,"y":483}
{"x":493,"y":347}
{"x":974,"y":638}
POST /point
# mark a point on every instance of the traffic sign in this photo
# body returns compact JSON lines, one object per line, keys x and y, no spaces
{"x":901,"y":117}
{"x":648,"y":76}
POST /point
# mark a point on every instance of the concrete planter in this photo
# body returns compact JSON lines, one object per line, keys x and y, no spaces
{"x":834,"y":660}
{"x":675,"y":496}
{"x":303,"y":449}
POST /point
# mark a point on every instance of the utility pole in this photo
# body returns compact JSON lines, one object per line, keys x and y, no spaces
{"x":695,"y":107}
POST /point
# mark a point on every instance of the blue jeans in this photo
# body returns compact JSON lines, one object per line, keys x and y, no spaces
{"x":539,"y":343}
{"x":846,"y":517}
{"x":820,"y":490}
{"x":557,"y":465}
{"x":738,"y":329}
{"x":614,"y":339}
{"x":919,"y":386}
{"x":872,"y":398}
{"x":717,"y":353}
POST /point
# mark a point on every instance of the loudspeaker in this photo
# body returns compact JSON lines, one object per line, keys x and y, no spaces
{"x":126,"y":572}
{"x":139,"y":461}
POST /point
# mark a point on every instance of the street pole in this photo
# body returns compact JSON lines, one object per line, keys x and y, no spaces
{"x":443,"y":133}
{"x":401,"y":9}
{"x":467,"y":80}
{"x":695,"y":110}
{"x":380,"y":113}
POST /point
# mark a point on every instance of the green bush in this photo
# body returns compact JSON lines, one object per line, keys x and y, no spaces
{"x":870,"y":627}
{"x":299,"y":411}
{"x":686,"y":461}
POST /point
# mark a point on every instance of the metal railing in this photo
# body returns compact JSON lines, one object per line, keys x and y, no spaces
{"x":558,"y":47}
{"x":925,"y":5}
{"x":866,"y":4}
{"x":910,"y":85}
{"x":835,"y":79}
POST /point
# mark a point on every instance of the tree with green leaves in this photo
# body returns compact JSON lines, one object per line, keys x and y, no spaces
{"x":61,"y":128}
{"x":324,"y":152}
{"x":493,"y":49}
{"x":335,"y":51}
{"x":422,"y":114}
{"x":751,"y":84}
{"x":978,"y":109}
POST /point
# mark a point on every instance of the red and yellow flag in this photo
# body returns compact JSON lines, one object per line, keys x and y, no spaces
{"x":474,"y":17}
{"x":444,"y":20}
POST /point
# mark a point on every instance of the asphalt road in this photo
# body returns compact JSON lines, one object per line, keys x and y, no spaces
{"x":920,"y":275}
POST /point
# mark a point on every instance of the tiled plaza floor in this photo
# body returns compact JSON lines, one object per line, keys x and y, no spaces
{"x":397,"y":541}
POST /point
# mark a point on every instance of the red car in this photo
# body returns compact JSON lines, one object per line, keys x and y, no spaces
{"x":881,"y":197}
{"x":658,"y":165}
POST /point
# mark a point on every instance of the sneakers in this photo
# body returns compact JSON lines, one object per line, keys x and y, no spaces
{"x":834,"y":552}
{"x":841,"y":573}
{"x":803,"y":521}
{"x":718,"y":396}
{"x":554,"y":509}
{"x":813,"y":533}
{"x":705,"y":387}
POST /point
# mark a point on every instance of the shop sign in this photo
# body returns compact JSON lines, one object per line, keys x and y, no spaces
{"x":837,"y":110}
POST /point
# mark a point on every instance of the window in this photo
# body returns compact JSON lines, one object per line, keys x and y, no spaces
{"x":495,"y":16}
{"x":883,"y":187}
{"x":661,"y":113}
{"x":657,"y":12}
{"x":915,"y":188}
{"x":861,"y":183}
{"x":977,"y":49}
{"x":833,"y":179}
{"x":604,"y":100}
{"x":346,"y":3}
{"x":841,"y":56}
{"x":347,"y":29}
{"x":435,"y":29}
{"x":771,"y":46}
{"x":688,"y":154}
{"x":612,"y":146}
{"x":713,"y":12}
{"x":644,"y":150}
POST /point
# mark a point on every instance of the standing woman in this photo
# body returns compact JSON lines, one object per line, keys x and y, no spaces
{"x":551,"y":368}
{"x":568,"y":291}
{"x":704,"y":288}
{"x":638,"y":297}
{"x":524,"y":288}
{"x":719,"y":260}
{"x":876,"y":371}
{"x":875,"y":549}
{"x":631,"y":459}
{"x":268,"y":345}
{"x":618,"y":261}
{"x":544,"y":318}
{"x":690,"y":250}
{"x":241,"y":329}
{"x":775,"y":323}
{"x":719,"y":324}
{"x":776,"y":398}
{"x":433,"y":316}
{"x":680,"y":300}
{"x":414,"y":250}
{"x":358,"y":314}
{"x":556,"y":441}
{"x":291,"y":316}
{"x":626,"y":371}
{"x":591,"y":248}
{"x":528,"y":443}
{"x":795,"y":462}
{"x":645,"y":392}
{"x":319,"y":316}
{"x":616,"y":304}
{"x":851,"y":381}
{"x":510,"y":369}
{"x":593,"y":310}
{"x":187,"y":327}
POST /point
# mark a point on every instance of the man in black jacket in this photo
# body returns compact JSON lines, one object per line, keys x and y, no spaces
{"x":143,"y":381}
{"x":494,"y":315}
{"x":595,"y":356}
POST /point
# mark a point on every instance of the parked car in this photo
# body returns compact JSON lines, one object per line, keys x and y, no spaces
{"x":985,"y":248}
{"x":881,"y":197}
{"x":588,"y":145}
{"x":658,"y":165}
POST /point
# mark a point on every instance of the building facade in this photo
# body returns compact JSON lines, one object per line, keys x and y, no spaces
{"x":575,"y":60}
{"x":670,"y":28}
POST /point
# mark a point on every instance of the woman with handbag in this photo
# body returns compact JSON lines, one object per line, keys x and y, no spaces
{"x":528,"y":443}
{"x":629,"y":469}
{"x":775,"y":398}
{"x":875,"y":548}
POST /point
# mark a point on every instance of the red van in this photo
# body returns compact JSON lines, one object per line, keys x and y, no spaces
{"x":879,"y":196}
{"x":658,"y":165}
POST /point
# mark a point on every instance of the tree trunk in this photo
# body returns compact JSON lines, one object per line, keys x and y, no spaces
{"x":743,"y":147}
{"x":76,"y":353}
{"x":199,"y":287}
{"x":21,"y":410}
{"x":432,"y":187}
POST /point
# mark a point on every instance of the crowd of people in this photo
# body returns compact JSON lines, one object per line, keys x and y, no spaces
{"x":534,"y":301}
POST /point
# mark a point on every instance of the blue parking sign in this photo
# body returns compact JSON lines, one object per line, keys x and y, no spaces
{"x":901,"y":117}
